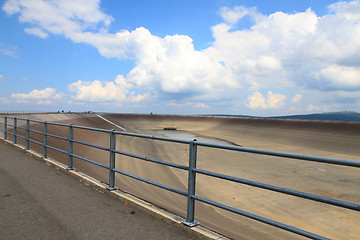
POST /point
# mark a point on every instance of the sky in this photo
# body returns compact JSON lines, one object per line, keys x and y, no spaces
{"x":250,"y":57}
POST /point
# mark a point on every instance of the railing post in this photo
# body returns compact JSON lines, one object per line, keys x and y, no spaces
{"x":5,"y":128}
{"x":45,"y":140}
{"x":15,"y":130}
{"x":71,"y":148}
{"x":112,"y":161}
{"x":27,"y":134}
{"x":190,"y":216}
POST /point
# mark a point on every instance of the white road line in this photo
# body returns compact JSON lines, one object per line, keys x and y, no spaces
{"x":111,"y":122}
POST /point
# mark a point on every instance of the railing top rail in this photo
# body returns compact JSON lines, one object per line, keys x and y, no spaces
{"x":153,"y":137}
{"x":4,"y":116}
{"x":91,"y":129}
{"x":37,"y":121}
{"x":49,"y":123}
{"x":329,"y":160}
{"x":23,"y":119}
{"x":58,"y":124}
{"x":18,"y":118}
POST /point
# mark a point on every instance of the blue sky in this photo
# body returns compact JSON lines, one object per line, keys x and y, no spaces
{"x":259,"y":58}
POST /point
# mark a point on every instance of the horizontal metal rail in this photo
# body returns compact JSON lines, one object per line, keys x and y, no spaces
{"x":35,"y":131}
{"x":191,"y":168}
{"x":153,"y":160}
{"x":22,"y":137}
{"x":152,"y":137}
{"x":36,"y":121}
{"x":90,"y":161}
{"x":58,"y":124}
{"x":19,"y":127}
{"x":57,"y":149}
{"x":91,"y":129}
{"x":58,"y":137}
{"x":91,"y":145}
{"x":309,"y":196}
{"x":151,"y":182}
{"x":337,"y":161}
{"x":34,"y":141}
{"x":12,"y":133}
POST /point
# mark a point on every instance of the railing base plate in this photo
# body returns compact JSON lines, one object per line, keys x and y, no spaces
{"x":190,"y":224}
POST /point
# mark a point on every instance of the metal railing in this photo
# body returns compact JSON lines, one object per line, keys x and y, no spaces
{"x":192,"y":169}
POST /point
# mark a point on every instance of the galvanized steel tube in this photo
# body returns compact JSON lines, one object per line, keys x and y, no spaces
{"x":70,"y":148}
{"x":190,"y":215}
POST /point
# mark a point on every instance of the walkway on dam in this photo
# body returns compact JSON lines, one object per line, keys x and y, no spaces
{"x":38,"y":201}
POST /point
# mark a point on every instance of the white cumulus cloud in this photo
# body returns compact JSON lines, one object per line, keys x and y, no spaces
{"x":47,"y":93}
{"x":322,"y":108}
{"x":44,"y":102}
{"x":342,"y":77}
{"x":258,"y":101}
{"x":275,"y":100}
{"x":44,"y":96}
{"x":166,"y":65}
{"x":37,"y":32}
{"x":188,"y":104}
{"x":66,"y":17}
{"x":296,"y":98}
{"x":233,"y":15}
{"x":96,"y":91}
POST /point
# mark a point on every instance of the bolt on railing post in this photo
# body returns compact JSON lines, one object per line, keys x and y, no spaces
{"x":45,"y":140}
{"x":27,"y":134}
{"x":5,"y":128}
{"x":15,"y":130}
{"x":71,"y":148}
{"x":190,"y":215}
{"x":112,"y":161}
